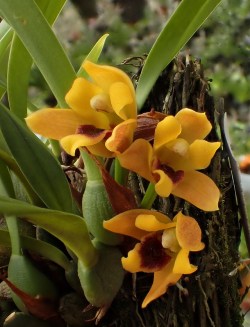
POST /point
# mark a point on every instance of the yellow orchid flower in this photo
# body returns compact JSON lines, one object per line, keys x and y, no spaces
{"x":102,"y":115}
{"x":163,"y":248}
{"x":179,"y":149}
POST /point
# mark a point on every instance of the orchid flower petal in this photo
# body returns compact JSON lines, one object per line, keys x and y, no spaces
{"x":175,"y":154}
{"x":122,"y":136}
{"x":72,"y":142}
{"x":162,"y":280}
{"x":79,"y":99}
{"x":53,"y":123}
{"x":153,"y":222}
{"x":164,"y":184}
{"x":99,"y":149}
{"x":104,"y":76}
{"x":188,"y":233}
{"x":138,"y":158}
{"x":166,"y":130}
{"x":133,"y":262}
{"x":194,"y":125}
{"x":198,"y":189}
{"x":122,"y":100}
{"x":182,"y":264}
{"x":201,"y":153}
{"x":196,"y":156}
{"x":124,"y":223}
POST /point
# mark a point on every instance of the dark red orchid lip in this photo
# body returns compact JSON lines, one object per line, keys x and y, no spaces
{"x":175,"y":176}
{"x":153,"y":255}
{"x":92,"y":131}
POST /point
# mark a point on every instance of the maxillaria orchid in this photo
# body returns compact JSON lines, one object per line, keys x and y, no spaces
{"x":178,"y":151}
{"x":163,"y":248}
{"x":102,"y":115}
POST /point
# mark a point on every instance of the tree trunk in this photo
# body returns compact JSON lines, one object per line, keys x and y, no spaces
{"x":87,"y":9}
{"x":210,"y":297}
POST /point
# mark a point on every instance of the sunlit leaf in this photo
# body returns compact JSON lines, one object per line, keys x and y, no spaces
{"x":70,"y":229}
{"x":42,"y":44}
{"x":20,"y":62}
{"x":36,"y":162}
{"x":94,"y":54}
{"x":43,"y":248}
{"x":184,"y":22}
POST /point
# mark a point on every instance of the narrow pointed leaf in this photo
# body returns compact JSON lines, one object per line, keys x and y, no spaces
{"x":44,"y":249}
{"x":40,"y":41}
{"x":5,"y":37}
{"x":185,"y":21}
{"x":70,"y":229}
{"x":20,"y":63}
{"x":38,"y":165}
{"x":94,"y":54}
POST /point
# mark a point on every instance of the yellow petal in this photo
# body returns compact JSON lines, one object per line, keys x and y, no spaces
{"x":188,"y":233}
{"x":100,"y":149}
{"x":164,"y":184}
{"x":181,"y":156}
{"x":194,"y":125}
{"x":133,"y":261}
{"x":198,"y":189}
{"x":122,"y":100}
{"x":166,"y":130}
{"x":162,"y":280}
{"x":79,"y":99}
{"x":182,"y":264}
{"x":178,"y":146}
{"x":124,"y":223}
{"x":138,"y":158}
{"x":175,"y":154}
{"x":201,"y":153}
{"x":104,"y":76}
{"x":54,"y":123}
{"x":122,"y":136}
{"x":72,"y":142}
{"x":153,"y":222}
{"x":169,"y":240}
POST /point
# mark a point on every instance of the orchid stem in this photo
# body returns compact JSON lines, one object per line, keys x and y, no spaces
{"x":12,"y":224}
{"x":92,"y":170}
{"x":120,"y":173}
{"x":56,"y":149}
{"x":149,"y":197}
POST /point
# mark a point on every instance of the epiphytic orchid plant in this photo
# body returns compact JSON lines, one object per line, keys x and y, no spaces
{"x":96,"y":121}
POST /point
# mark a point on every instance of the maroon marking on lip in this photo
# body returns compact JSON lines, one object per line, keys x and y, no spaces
{"x":153,"y":255}
{"x":92,"y":131}
{"x":175,"y":176}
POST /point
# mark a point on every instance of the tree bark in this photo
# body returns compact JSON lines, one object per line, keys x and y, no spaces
{"x":87,"y":9}
{"x":210,"y":297}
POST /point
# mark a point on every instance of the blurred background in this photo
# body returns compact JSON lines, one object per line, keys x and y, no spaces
{"x":222,"y":44}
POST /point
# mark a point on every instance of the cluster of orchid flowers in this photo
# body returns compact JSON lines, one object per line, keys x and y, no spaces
{"x":165,"y":150}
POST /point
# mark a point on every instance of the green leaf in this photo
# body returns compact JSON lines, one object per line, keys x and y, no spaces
{"x":94,"y":54}
{"x":69,"y":228}
{"x":40,"y":41}
{"x":20,"y":63}
{"x":40,"y":168}
{"x":5,"y":37}
{"x":12,"y":165}
{"x":6,"y":34}
{"x":18,"y":77}
{"x":7,"y":189}
{"x":184,"y":22}
{"x":40,"y":247}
